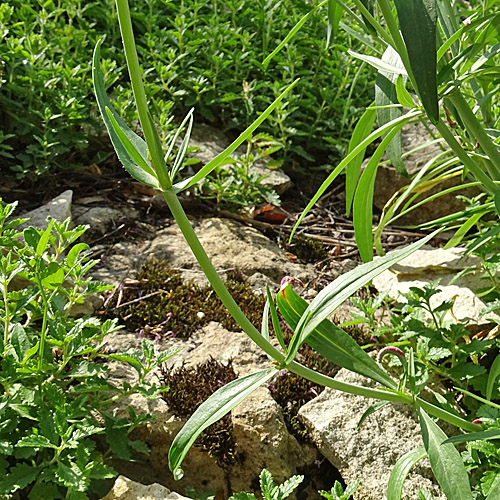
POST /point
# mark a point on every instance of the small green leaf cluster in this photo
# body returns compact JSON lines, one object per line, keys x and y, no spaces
{"x":235,"y":186}
{"x":269,"y":490}
{"x":54,"y":394}
{"x":339,"y":493}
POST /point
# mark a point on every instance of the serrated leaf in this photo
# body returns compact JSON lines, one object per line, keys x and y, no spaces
{"x":44,"y":239}
{"x":71,"y":476}
{"x":417,"y":21}
{"x":214,"y":408}
{"x":20,"y":476}
{"x":287,"y":488}
{"x":145,"y":176}
{"x":267,"y":487}
{"x":446,"y":463}
{"x":35,"y":441}
{"x":20,"y":340}
{"x":243,"y":496}
{"x":466,"y":370}
{"x":401,"y":470}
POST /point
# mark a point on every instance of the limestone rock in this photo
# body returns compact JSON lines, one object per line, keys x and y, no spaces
{"x":59,"y":208}
{"x":126,"y":489}
{"x":389,"y":181}
{"x":100,"y":219}
{"x":429,"y":264}
{"x":369,"y":453}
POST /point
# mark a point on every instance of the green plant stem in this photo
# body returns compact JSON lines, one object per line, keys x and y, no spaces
{"x":150,"y":133}
{"x":235,"y":311}
{"x":476,"y":130}
{"x":6,"y":319}
{"x":468,"y":163}
{"x":43,"y":331}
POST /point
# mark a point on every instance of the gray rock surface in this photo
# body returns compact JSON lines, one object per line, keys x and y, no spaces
{"x":59,"y":208}
{"x":126,"y":489}
{"x":429,"y":264}
{"x":369,"y":453}
{"x":229,"y":244}
{"x":100,"y":219}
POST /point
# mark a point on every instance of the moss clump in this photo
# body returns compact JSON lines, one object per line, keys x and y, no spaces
{"x":188,"y":388}
{"x":292,"y":391}
{"x":308,"y":249}
{"x":172,"y":306}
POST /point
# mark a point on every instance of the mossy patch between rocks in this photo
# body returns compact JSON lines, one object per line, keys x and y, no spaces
{"x":159,"y":302}
{"x":189,"y":387}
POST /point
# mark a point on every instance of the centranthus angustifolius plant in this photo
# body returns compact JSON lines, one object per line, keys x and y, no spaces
{"x":148,"y":162}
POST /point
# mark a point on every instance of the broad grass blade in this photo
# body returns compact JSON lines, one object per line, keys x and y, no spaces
{"x":221,"y":157}
{"x":215,"y":407}
{"x":331,"y":341}
{"x":492,"y":377}
{"x":362,"y":210}
{"x":353,"y":169}
{"x":386,"y":94}
{"x":417,"y":21}
{"x":379,"y":64}
{"x":401,"y":470}
{"x":137,"y":172}
{"x":334,"y":15}
{"x":446,"y":463}
{"x":341,"y":289}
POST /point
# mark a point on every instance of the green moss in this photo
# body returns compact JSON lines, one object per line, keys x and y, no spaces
{"x":188,"y":388}
{"x":173,"y":306}
{"x":309,"y":249}
{"x":292,"y":391}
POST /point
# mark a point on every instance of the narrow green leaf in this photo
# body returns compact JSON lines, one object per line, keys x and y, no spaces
{"x":139,"y":174}
{"x":379,"y":64}
{"x":492,"y":377}
{"x":362,"y":130}
{"x":463,"y":230}
{"x":44,"y":239}
{"x":214,"y":408}
{"x":291,"y":34}
{"x":370,"y":411}
{"x":424,"y":494}
{"x":179,"y":160}
{"x":342,"y":288}
{"x":403,"y":95}
{"x":496,"y":200}
{"x":386,"y":95}
{"x":350,"y":157}
{"x":334,"y":15}
{"x":446,"y":463}
{"x":474,"y":436}
{"x":275,"y":320}
{"x":221,"y":157}
{"x":127,"y":144}
{"x":362,"y":209}
{"x":401,"y":470}
{"x":417,"y":21}
{"x":331,"y":341}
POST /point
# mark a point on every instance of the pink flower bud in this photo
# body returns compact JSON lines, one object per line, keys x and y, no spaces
{"x":467,"y":21}
{"x":477,"y":421}
{"x":395,"y":350}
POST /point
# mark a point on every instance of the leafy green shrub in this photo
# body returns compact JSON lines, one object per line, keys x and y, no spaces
{"x":205,"y":54}
{"x":54,"y":394}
